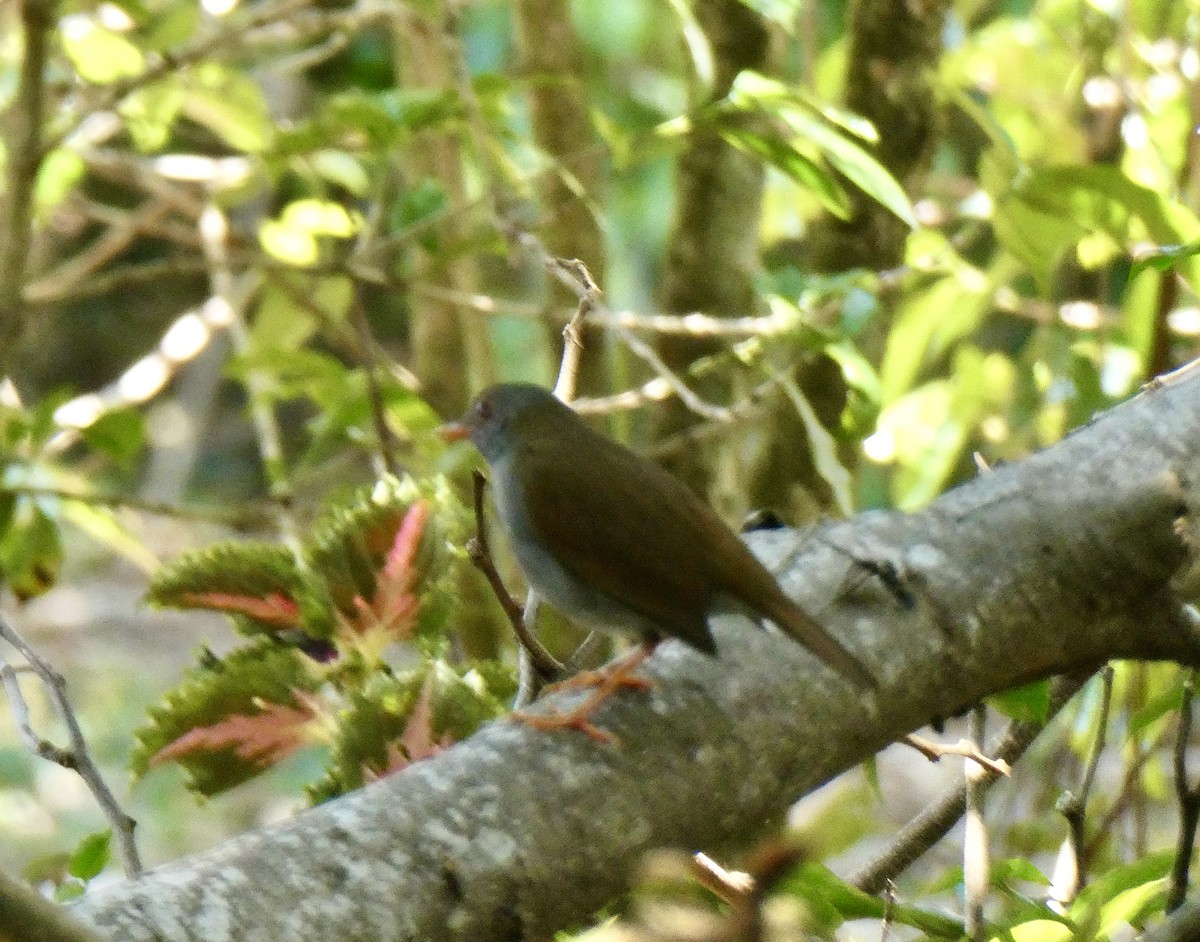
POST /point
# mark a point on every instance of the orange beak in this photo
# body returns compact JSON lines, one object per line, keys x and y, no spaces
{"x":452,"y":432}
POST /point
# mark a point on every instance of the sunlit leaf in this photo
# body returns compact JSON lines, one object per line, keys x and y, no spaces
{"x":150,"y":113}
{"x":98,"y":54}
{"x":57,"y":177}
{"x":229,"y":104}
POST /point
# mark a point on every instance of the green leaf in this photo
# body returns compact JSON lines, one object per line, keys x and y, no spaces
{"x":832,"y":901}
{"x":771,"y":101}
{"x":57,"y":177}
{"x":1164,"y":258}
{"x":295,"y":236}
{"x":1037,"y":930}
{"x":1113,"y":884}
{"x":342,"y":168}
{"x":1030,"y":703}
{"x":120,"y":434}
{"x":171,"y":26}
{"x":91,"y":856}
{"x":229,"y":104}
{"x":1044,"y":211}
{"x":98,"y":54}
{"x":31,"y":551}
{"x":848,"y":157}
{"x":779,"y":152}
{"x":103,"y":526}
{"x":150,"y":113}
{"x":824,"y":451}
{"x":421,"y":203}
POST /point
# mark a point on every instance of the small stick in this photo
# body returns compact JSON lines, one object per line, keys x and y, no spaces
{"x":76,"y":758}
{"x":481,"y":555}
{"x":964,"y":747}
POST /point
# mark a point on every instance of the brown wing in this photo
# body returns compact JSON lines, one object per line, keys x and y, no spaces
{"x":638,"y":539}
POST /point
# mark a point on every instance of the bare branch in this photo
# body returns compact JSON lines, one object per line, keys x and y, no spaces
{"x":76,"y":757}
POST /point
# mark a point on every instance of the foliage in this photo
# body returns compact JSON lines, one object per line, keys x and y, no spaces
{"x":375,"y":573}
{"x":282,"y":238}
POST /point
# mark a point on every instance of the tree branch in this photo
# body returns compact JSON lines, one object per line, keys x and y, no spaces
{"x":22,"y":128}
{"x":1046,"y":566}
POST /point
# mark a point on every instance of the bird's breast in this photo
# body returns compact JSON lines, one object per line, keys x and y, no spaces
{"x":571,"y":595}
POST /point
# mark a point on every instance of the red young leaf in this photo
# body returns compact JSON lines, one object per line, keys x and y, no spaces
{"x":274,"y":608}
{"x":417,"y":742}
{"x":265,"y":738}
{"x":393,"y":609}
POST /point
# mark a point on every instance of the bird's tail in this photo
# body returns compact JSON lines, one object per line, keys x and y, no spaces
{"x":802,"y":627}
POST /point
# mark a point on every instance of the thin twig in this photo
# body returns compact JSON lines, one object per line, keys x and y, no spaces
{"x":242,"y":517}
{"x":1073,"y":805}
{"x":480,"y":553}
{"x":1188,"y":796}
{"x":76,"y":757}
{"x":589,"y":300}
{"x":694,"y":324}
{"x":933,"y":751}
{"x":385,"y":440}
{"x":976,"y":862}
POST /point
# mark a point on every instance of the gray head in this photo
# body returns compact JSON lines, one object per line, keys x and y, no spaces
{"x":505,"y":412}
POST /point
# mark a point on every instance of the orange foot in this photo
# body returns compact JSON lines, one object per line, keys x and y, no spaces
{"x":607,"y":681}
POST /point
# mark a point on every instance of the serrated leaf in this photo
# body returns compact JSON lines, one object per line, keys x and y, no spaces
{"x":229,"y":707}
{"x":91,"y":856}
{"x":256,"y":580}
{"x":393,"y":721}
{"x":383,"y":553}
{"x":262,"y":737}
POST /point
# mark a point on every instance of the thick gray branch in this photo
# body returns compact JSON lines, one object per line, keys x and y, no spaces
{"x":1059,"y":562}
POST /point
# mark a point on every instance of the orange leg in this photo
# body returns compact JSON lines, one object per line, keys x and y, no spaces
{"x":607,"y":681}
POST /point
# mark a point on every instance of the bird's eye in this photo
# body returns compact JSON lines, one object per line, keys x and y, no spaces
{"x":483,"y":410}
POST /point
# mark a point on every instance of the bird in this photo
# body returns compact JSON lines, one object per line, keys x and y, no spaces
{"x":616,"y":543}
